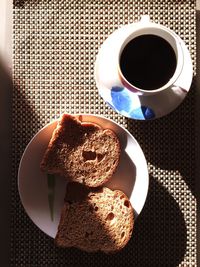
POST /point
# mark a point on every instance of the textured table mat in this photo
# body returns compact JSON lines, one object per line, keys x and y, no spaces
{"x":54,"y":48}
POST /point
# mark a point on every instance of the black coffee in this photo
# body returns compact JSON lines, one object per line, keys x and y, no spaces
{"x":148,"y":62}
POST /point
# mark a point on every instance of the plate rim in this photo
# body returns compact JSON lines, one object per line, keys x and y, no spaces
{"x":76,"y":115}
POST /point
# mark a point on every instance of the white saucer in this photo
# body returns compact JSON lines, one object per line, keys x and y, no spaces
{"x":42,"y":196}
{"x":138,"y":107}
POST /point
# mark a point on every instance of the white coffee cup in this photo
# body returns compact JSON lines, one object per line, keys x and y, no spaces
{"x":109,"y":73}
{"x":116,"y":89}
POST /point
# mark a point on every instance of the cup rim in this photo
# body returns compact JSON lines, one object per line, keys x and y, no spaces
{"x":179,"y":58}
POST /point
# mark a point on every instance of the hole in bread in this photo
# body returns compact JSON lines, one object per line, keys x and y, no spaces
{"x":122,"y":234}
{"x":110,"y":216}
{"x":126,"y":203}
{"x":96,"y":208}
{"x":89,"y":155}
{"x":112,"y":207}
{"x":100,"y":157}
{"x":120,"y":206}
{"x":108,"y":169}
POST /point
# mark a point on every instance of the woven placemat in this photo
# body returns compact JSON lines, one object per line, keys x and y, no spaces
{"x":54,"y":48}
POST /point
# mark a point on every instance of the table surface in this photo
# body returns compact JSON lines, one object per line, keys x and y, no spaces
{"x":6,"y":66}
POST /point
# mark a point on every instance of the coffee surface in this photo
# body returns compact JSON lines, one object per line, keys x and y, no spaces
{"x":148,"y":62}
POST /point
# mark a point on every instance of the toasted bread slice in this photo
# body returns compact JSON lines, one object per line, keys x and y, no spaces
{"x":95,"y":220}
{"x":82,"y":152}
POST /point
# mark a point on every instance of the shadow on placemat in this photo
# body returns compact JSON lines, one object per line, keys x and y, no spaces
{"x":24,"y":125}
{"x":21,"y":3}
{"x":25,"y":119}
{"x":5,"y":162}
{"x":159,"y":238}
{"x":169,"y":142}
{"x":197,"y":184}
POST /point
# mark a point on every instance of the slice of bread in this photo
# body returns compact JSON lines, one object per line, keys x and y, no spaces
{"x":82,"y":152}
{"x":95,"y":219}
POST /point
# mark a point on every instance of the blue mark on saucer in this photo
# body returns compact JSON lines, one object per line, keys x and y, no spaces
{"x":120,"y":98}
{"x":142,"y":113}
{"x":122,"y":101}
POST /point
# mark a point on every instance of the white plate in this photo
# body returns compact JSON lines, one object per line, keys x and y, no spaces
{"x":131,"y":176}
